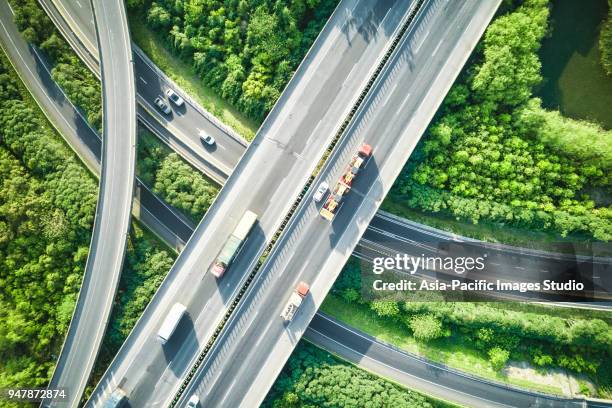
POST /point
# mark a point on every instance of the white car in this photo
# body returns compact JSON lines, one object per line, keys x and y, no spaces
{"x":318,"y":195}
{"x":193,"y":401}
{"x":208,"y":139}
{"x":173,"y":96}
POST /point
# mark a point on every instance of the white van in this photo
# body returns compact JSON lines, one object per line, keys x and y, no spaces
{"x":170,"y":322}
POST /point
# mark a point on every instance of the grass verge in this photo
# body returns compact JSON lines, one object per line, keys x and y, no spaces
{"x":187,"y":79}
{"x":451,"y":351}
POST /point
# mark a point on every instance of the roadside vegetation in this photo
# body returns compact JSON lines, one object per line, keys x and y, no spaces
{"x":184,"y":75}
{"x":314,"y":378}
{"x":246,"y":52}
{"x":494,"y":154}
{"x":605,"y":41}
{"x":482,"y":338}
{"x":77,"y":81}
{"x":47,"y":206}
{"x":172,"y":178}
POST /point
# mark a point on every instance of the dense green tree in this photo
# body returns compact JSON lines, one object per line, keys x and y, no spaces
{"x":47,"y":206}
{"x":498,"y":357}
{"x":313,"y":378}
{"x":494,"y":154}
{"x":246,"y":51}
{"x":425,"y":327}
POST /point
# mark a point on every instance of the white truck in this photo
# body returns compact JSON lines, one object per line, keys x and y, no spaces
{"x":170,"y":322}
{"x":295,"y":300}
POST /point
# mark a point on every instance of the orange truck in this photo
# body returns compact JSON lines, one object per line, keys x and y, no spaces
{"x":343,"y":186}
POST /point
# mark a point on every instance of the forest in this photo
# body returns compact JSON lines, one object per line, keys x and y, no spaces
{"x":582,"y":345}
{"x":47,"y":205}
{"x":605,"y":41}
{"x":314,"y":378}
{"x":169,"y":176}
{"x":180,"y":185}
{"x":494,"y":154}
{"x":246,"y":51}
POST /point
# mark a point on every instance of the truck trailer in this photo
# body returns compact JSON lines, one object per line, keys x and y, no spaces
{"x":343,"y":186}
{"x":233,"y":244}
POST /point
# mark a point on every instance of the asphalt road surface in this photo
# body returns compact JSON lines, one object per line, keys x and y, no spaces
{"x":113,"y":211}
{"x":266,"y":181}
{"x":423,"y":375}
{"x":165,"y":221}
{"x":180,"y":129}
{"x":255,"y":343}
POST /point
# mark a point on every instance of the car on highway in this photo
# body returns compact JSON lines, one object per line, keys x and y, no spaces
{"x":162,"y":106}
{"x":318,"y":195}
{"x":206,"y":138}
{"x":174,"y":97}
{"x":193,"y":402}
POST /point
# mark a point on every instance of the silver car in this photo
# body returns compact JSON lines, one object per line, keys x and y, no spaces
{"x":174,"y":97}
{"x":193,"y":401}
{"x":162,"y":106}
{"x":318,"y":195}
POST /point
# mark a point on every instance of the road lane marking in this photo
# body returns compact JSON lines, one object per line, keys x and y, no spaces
{"x":142,"y":79}
{"x":437,"y":47}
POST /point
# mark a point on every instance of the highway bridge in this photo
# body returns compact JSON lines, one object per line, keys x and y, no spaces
{"x":271,"y":174}
{"x":251,"y":349}
{"x":112,"y":218}
{"x":180,"y":129}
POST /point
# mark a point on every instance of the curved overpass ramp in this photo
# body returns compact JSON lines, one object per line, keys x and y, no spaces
{"x":111,"y":225}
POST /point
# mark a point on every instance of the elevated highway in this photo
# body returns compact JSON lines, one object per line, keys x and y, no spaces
{"x":180,"y":129}
{"x":268,"y":178}
{"x":112,"y":218}
{"x":241,"y":366}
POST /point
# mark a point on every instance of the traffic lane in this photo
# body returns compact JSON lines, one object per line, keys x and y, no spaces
{"x":220,"y":387}
{"x":81,"y":13}
{"x":209,"y":292}
{"x":113,"y":212}
{"x":212,"y":168}
{"x":301,"y":254}
{"x":186,"y":119}
{"x":249,"y":183}
{"x":318,"y":244}
{"x":499,"y":263}
{"x":413,"y":371}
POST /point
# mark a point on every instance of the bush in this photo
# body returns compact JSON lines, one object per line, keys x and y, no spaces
{"x":498,"y":358}
{"x":425,"y":327}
